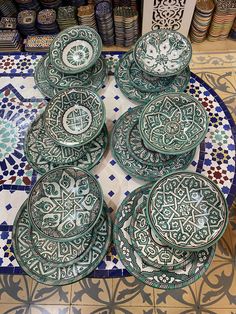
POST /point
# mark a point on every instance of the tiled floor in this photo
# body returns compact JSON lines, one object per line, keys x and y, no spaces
{"x":214,"y":293}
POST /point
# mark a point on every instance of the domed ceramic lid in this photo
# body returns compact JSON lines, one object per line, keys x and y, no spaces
{"x":187,"y":211}
{"x":163,"y":53}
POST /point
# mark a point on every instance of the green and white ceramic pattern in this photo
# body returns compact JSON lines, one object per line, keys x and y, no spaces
{"x":124,"y":152}
{"x":75,"y":49}
{"x":47,"y":273}
{"x":93,"y":151}
{"x":173,"y":123}
{"x":162,"y":53}
{"x":42,"y":82}
{"x":150,"y":275}
{"x":65,"y":203}
{"x":147,"y":83}
{"x":92,"y":78}
{"x":123,"y":80}
{"x":148,"y":246}
{"x":74,"y":117}
{"x":187,"y":211}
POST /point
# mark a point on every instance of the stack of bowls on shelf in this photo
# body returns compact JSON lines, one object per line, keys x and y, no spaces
{"x":72,"y":129}
{"x":104,"y":18}
{"x":8,"y":8}
{"x":74,"y":60}
{"x":86,"y":16}
{"x":66,"y":17}
{"x":26,"y":21}
{"x":28,"y":5}
{"x":158,"y":63}
{"x":51,"y":4}
{"x":62,"y":231}
{"x":46,"y":21}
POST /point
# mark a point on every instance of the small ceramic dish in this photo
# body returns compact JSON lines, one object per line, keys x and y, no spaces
{"x":65,"y":203}
{"x":187,"y":211}
{"x":74,"y":117}
{"x":75,"y":49}
{"x":163,"y":53}
{"x":173,"y":123}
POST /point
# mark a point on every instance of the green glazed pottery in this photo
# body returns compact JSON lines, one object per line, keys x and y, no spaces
{"x":187,"y":211}
{"x":148,"y":246}
{"x":134,"y":158}
{"x":92,"y":152}
{"x":173,"y":123}
{"x":46,"y":272}
{"x":162,"y":53}
{"x":65,"y":203}
{"x":74,"y":117}
{"x":124,"y":81}
{"x":150,"y":275}
{"x":75,"y":49}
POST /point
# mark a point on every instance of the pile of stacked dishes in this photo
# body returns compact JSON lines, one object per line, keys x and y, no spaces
{"x":66,"y":17}
{"x":62,"y":231}
{"x":46,"y":21}
{"x":159,"y":63}
{"x":104,"y":18}
{"x":74,"y":60}
{"x":165,"y":234}
{"x":86,"y":16}
{"x":26,"y":22}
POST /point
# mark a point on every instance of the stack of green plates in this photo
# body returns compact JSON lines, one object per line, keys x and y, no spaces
{"x":62,"y":231}
{"x":158,"y":63}
{"x":165,"y":234}
{"x":74,"y":60}
{"x":71,"y":131}
{"x":152,"y":141}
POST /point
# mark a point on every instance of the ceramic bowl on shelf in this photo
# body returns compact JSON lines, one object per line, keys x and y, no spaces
{"x":74,"y":117}
{"x":173,"y":123}
{"x":75,"y":49}
{"x":187,"y":211}
{"x":162,"y":53}
{"x":65,"y":203}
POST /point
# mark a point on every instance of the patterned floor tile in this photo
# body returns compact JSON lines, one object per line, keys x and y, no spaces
{"x":224,"y":248}
{"x":131,"y":292}
{"x":184,"y":297}
{"x":48,"y":309}
{"x":175,"y":310}
{"x":42,"y":294}
{"x":92,"y":292}
{"x":91,"y":309}
{"x":135,"y":310}
{"x":232,"y":232}
{"x":15,"y":308}
{"x":216,"y":45}
{"x":15,"y":289}
{"x":217,"y":287}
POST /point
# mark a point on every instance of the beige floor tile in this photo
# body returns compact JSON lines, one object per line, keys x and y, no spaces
{"x":43,"y":294}
{"x":232,"y":232}
{"x":49,"y":309}
{"x":92,"y":292}
{"x":217,"y":288}
{"x":175,"y":298}
{"x":175,"y":310}
{"x":15,"y":289}
{"x":131,"y":292}
{"x":208,"y":60}
{"x":135,"y":310}
{"x":14,"y":308}
{"x":214,"y":46}
{"x":224,"y":250}
{"x":219,"y":311}
{"x":75,"y":309}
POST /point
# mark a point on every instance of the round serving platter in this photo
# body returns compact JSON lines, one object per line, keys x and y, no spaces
{"x":92,"y":78}
{"x":42,"y":82}
{"x":148,"y":246}
{"x":47,"y":273}
{"x":74,"y":117}
{"x":65,"y":203}
{"x":123,"y":80}
{"x":75,"y":49}
{"x":173,"y":123}
{"x":162,"y":53}
{"x":187,"y":211}
{"x":93,"y":151}
{"x":120,"y":147}
{"x":150,"y":275}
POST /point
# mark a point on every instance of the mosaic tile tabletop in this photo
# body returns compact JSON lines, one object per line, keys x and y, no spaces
{"x":21,"y":101}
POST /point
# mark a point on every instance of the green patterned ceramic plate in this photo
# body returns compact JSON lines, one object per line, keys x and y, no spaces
{"x":173,"y":123}
{"x":125,"y":151}
{"x":147,"y":83}
{"x":123,"y":80}
{"x":93,"y":151}
{"x":47,"y":273}
{"x":75,"y":49}
{"x":65,"y":203}
{"x":92,"y":78}
{"x":148,"y":246}
{"x":74,"y":117}
{"x":132,"y":261}
{"x":187,"y":211}
{"x":162,"y":53}
{"x":42,"y":82}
